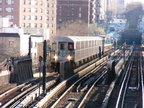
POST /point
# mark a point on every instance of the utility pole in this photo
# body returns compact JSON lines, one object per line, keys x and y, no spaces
{"x":44,"y":66}
{"x":40,"y":60}
{"x":29,"y":53}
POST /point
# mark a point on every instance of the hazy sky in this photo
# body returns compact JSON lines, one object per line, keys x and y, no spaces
{"x":135,"y":1}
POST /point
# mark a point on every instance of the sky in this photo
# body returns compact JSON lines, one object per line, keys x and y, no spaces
{"x":135,"y":1}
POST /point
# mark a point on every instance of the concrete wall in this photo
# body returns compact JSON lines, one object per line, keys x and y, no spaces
{"x":21,"y":70}
{"x":4,"y":77}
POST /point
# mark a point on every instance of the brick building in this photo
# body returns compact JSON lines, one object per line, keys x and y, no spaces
{"x":32,"y":15}
{"x":71,"y":10}
{"x":9,"y":44}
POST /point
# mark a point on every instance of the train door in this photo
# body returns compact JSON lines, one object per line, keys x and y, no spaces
{"x":62,"y":46}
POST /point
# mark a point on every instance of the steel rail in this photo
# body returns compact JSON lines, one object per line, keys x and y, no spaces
{"x":63,"y":95}
{"x":123,"y":84}
{"x":86,"y":95}
{"x":142,"y":80}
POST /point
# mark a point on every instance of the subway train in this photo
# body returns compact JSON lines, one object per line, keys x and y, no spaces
{"x":79,"y":49}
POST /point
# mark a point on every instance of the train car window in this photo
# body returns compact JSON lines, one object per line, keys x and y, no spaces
{"x":95,"y":42}
{"x":62,"y":46}
{"x":70,"y":46}
{"x":86,"y":44}
{"x":89,"y":43}
{"x":77,"y":45}
{"x":82,"y":44}
{"x":54,"y":46}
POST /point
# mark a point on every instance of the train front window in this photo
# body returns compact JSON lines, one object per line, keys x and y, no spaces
{"x":62,"y":46}
{"x":54,"y":46}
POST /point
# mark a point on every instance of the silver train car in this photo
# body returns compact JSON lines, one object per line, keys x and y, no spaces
{"x":78,"y":49}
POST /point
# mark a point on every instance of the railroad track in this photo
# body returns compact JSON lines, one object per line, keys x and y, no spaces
{"x":77,"y":94}
{"x":51,"y":97}
{"x":127,"y":92}
{"x":14,"y":96}
{"x":132,"y":90}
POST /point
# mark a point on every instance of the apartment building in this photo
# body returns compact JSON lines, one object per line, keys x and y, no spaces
{"x":71,"y":10}
{"x":35,"y":16}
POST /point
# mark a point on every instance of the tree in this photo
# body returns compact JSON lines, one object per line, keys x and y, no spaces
{"x":133,"y":13}
{"x":95,"y":30}
{"x":77,"y":28}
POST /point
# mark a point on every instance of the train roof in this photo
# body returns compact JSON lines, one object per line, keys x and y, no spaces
{"x":76,"y":38}
{"x":104,"y":36}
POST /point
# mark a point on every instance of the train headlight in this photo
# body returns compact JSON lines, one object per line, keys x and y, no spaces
{"x":69,"y":57}
{"x":55,"y":57}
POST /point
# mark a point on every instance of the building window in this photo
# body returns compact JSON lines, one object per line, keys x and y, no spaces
{"x":41,"y":2}
{"x":34,"y":2}
{"x":35,"y":25}
{"x":24,"y":10}
{"x":12,"y":1}
{"x":33,"y":10}
{"x":47,"y":11}
{"x":29,"y":17}
{"x":24,"y":17}
{"x":40,"y":25}
{"x":0,"y":9}
{"x":52,"y":12}
{"x":9,"y":1}
{"x":11,"y":44}
{"x":9,"y":9}
{"x":60,"y":20}
{"x":80,"y":15}
{"x":23,"y":24}
{"x":47,"y":5}
{"x":41,"y":10}
{"x":47,"y":18}
{"x":29,"y":2}
{"x":12,"y":17}
{"x":40,"y":17}
{"x":47,"y":25}
{"x":51,"y":25}
{"x":29,"y":25}
{"x":24,"y":2}
{"x":52,"y":5}
{"x":12,"y":9}
{"x":9,"y":16}
{"x":29,"y":9}
{"x":51,"y":31}
{"x":35,"y":17}
{"x":52,"y":18}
